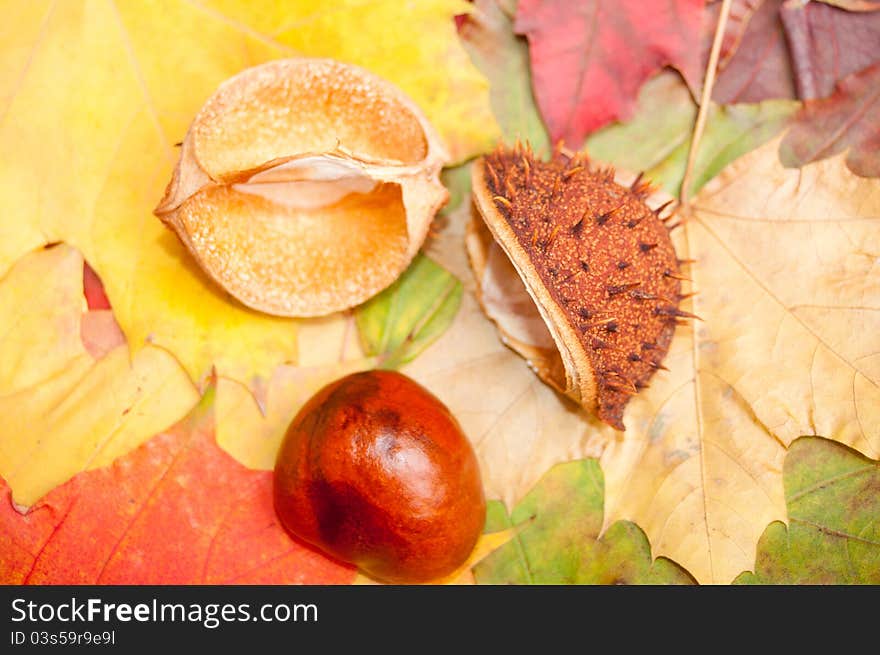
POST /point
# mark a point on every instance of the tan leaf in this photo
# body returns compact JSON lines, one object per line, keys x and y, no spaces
{"x":790,"y":297}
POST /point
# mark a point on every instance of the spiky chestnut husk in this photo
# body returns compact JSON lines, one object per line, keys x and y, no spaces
{"x":598,"y":263}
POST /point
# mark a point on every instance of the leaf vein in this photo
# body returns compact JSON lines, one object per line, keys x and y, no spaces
{"x":829,"y":481}
{"x":41,"y":34}
{"x":833,"y":532}
{"x":774,"y":297}
{"x":141,"y":81}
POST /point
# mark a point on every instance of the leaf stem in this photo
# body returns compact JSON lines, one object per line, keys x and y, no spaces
{"x":705,"y":101}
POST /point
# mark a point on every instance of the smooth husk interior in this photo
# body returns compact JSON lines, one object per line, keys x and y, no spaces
{"x":503,"y":296}
{"x":305,"y":186}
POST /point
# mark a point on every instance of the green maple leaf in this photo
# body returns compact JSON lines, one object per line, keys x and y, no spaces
{"x":833,"y":534}
{"x":561,"y":539}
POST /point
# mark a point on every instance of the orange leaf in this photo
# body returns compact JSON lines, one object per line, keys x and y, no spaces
{"x":177,"y":510}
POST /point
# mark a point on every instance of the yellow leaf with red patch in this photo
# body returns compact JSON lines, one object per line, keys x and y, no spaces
{"x":66,"y":410}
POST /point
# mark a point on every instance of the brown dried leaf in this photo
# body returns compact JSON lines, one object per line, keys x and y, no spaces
{"x":845,"y":122}
{"x":754,"y":66}
{"x":827,"y":44}
{"x":788,"y":49}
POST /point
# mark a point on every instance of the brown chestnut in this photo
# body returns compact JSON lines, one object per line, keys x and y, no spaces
{"x":376,"y":471}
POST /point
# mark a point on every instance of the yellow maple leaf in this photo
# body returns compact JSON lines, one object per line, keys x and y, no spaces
{"x":95,"y":94}
{"x":64,"y":410}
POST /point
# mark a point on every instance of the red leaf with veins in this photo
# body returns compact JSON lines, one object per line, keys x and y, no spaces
{"x":792,"y":50}
{"x":178,"y":510}
{"x":590,"y":58}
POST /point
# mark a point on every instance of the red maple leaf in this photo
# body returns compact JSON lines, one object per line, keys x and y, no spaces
{"x":590,"y":58}
{"x":177,"y":510}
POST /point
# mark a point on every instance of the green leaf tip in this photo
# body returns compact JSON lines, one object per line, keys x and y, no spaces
{"x":833,"y":533}
{"x":399,"y":323}
{"x":563,"y":543}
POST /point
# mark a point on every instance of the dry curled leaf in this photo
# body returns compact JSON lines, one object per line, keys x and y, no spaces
{"x":283,"y":159}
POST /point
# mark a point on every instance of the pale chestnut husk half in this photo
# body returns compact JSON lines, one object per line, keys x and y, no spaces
{"x":575,"y":265}
{"x":305,"y":186}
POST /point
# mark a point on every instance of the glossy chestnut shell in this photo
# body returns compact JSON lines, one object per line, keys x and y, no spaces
{"x":375,"y":471}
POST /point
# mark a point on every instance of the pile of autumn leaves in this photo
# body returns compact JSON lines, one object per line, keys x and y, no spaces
{"x":162,"y":415}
